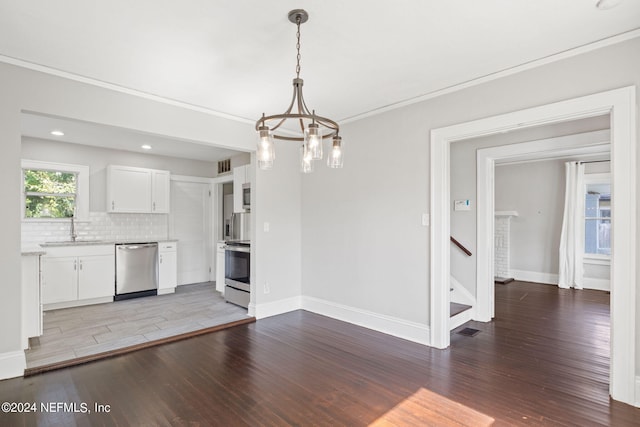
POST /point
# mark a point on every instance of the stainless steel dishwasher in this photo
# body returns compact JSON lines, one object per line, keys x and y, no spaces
{"x":136,"y":270}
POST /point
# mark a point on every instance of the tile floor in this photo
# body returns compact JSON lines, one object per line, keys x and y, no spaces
{"x":81,"y":331}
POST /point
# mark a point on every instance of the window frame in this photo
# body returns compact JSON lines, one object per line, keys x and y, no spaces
{"x":82,"y":187}
{"x":594,"y":178}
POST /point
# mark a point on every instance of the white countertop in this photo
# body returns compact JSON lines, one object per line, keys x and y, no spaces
{"x":33,"y":250}
{"x":98,"y":242}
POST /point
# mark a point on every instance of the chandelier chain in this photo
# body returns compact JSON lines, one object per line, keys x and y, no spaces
{"x":298,"y":48}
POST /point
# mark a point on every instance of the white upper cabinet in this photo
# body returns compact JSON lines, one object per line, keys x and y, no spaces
{"x":137,"y":190}
{"x":241,"y":176}
{"x":160,"y":184}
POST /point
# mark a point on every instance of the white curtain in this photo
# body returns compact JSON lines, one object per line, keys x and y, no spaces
{"x":571,"y":240}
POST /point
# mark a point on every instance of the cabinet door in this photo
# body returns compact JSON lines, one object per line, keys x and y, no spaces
{"x":239,"y":178}
{"x":168,"y":270}
{"x":31,"y":308}
{"x":59,"y":279}
{"x":220,"y":268}
{"x":96,"y":276}
{"x":129,"y":189}
{"x":161,"y":186}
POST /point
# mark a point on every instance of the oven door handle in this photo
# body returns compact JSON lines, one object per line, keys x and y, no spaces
{"x":237,"y":249}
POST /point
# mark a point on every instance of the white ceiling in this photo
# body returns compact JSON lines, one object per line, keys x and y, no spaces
{"x":98,"y":135}
{"x":238,"y":57}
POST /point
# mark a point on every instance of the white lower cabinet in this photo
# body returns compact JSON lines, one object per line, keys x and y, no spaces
{"x":31,"y":306}
{"x":59,"y":279}
{"x":96,"y":276}
{"x":76,"y":275}
{"x":167,"y":267}
{"x":220,"y":266}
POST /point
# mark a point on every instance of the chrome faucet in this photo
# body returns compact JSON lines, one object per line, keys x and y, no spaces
{"x":74,"y":235}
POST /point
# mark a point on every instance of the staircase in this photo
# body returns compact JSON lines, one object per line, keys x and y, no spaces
{"x":461,"y":305}
{"x":461,"y":301}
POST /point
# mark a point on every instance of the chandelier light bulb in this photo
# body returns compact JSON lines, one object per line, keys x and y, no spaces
{"x":313,"y":140}
{"x":306,"y":160}
{"x":335,"y":158}
{"x":265,"y":153}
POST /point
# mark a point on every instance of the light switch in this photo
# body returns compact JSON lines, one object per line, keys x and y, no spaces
{"x":462,"y":205}
{"x":266,"y":227}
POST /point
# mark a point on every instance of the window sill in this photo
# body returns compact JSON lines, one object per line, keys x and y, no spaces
{"x":596,"y":259}
{"x":53,"y":220}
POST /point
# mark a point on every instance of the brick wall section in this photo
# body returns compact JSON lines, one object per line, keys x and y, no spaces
{"x":501,"y":246}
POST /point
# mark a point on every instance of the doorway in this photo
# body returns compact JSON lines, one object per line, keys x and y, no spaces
{"x":620,"y":104}
{"x":190,"y":224}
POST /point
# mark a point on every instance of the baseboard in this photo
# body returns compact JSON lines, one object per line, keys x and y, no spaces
{"x":637,"y":402}
{"x":260,"y":311}
{"x":596,"y":284}
{"x":535,"y":277}
{"x":77,"y":303}
{"x":552,"y":279}
{"x":166,"y":291}
{"x":400,"y":328}
{"x":12,"y":364}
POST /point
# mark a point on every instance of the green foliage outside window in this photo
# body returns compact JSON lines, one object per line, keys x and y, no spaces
{"x":49,"y":194}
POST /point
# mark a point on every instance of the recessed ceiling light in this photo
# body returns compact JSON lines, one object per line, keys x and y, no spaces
{"x":607,"y":4}
{"x":145,"y":147}
{"x":57,"y":133}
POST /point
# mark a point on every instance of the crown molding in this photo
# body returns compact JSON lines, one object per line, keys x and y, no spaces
{"x":499,"y":74}
{"x":117,"y":88}
{"x":454,"y":88}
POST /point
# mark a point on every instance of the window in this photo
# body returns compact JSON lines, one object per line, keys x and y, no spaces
{"x":597,"y":215}
{"x":49,"y":194}
{"x":54,"y":191}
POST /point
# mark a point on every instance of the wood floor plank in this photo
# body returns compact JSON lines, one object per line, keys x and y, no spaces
{"x":543,"y":361}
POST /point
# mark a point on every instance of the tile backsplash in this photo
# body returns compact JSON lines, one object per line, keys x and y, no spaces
{"x":100,"y":226}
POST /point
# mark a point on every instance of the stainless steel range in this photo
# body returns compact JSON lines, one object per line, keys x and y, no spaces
{"x":237,"y":272}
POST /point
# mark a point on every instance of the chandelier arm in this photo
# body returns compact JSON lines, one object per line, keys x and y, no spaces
{"x":301,"y":111}
{"x":288,"y":111}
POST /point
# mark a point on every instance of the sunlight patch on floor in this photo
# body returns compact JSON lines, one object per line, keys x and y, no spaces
{"x":425,"y":407}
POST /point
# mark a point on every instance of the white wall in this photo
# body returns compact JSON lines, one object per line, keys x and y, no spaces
{"x":277,"y":253}
{"x":536,"y":191}
{"x":362,"y":241}
{"x":464,"y":185}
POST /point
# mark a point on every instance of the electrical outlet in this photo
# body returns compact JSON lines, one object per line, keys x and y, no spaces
{"x":267,"y":289}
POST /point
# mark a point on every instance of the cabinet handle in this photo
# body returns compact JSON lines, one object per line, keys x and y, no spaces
{"x":154,"y":206}
{"x":160,"y":259}
{"x":75,"y":265}
{"x":80,"y":264}
{"x":113,"y":204}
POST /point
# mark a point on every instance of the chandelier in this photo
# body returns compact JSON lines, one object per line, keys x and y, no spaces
{"x":313,"y":129}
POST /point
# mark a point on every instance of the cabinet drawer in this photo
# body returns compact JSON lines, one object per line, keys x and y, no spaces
{"x":167,"y":246}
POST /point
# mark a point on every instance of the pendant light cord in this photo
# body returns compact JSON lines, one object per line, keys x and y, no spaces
{"x":298,"y":48}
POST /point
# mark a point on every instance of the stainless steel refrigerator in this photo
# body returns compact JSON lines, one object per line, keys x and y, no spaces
{"x":240,"y":227}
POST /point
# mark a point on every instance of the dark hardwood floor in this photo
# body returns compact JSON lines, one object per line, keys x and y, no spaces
{"x":543,"y":361}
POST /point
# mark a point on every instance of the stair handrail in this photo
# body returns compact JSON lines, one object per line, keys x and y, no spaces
{"x":462,"y":248}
